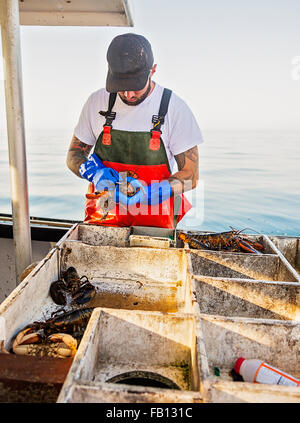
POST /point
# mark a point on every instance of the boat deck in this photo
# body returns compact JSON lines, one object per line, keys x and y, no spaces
{"x":168,"y":321}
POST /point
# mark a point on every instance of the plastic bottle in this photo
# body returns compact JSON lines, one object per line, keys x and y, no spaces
{"x":257,"y":371}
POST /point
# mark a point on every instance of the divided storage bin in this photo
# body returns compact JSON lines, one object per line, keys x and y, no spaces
{"x":120,"y":346}
{"x":165,"y":318}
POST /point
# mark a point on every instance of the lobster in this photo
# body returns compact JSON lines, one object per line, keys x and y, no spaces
{"x":125,"y":188}
{"x":73,"y":322}
{"x":64,"y":330}
{"x":81,"y":290}
{"x":229,"y":241}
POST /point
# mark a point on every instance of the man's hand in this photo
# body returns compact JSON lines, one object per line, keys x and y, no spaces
{"x":91,"y":169}
{"x":184,"y":180}
{"x":151,"y":195}
{"x":101,"y":176}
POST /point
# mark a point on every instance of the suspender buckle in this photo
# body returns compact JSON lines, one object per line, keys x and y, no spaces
{"x":109,"y":116}
{"x":157,"y":121}
{"x":154,"y":143}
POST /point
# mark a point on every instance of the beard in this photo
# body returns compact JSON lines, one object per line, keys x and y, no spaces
{"x":139,"y":100}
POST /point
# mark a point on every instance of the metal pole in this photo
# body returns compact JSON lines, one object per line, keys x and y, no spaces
{"x":10,"y":30}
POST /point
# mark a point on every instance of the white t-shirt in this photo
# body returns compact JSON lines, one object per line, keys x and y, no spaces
{"x":180,"y":131}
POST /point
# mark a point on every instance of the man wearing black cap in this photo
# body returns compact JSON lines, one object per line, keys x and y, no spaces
{"x":138,"y":130}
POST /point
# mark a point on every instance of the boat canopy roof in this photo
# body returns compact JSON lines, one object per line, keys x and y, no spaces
{"x":75,"y":12}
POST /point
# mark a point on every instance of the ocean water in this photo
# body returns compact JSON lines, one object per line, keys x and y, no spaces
{"x":247,"y":179}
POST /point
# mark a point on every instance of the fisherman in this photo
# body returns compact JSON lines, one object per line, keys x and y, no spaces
{"x":138,"y":130}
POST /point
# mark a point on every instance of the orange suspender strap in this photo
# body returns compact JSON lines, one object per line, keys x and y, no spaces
{"x":109,"y":116}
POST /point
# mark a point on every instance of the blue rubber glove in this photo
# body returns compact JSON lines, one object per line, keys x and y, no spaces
{"x":101,"y":176}
{"x":151,"y":195}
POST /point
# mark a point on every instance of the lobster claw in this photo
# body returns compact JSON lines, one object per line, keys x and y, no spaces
{"x":247,"y":247}
{"x":85,"y":294}
{"x":68,"y":346}
{"x":57,"y":292}
{"x":71,"y":284}
{"x":258,"y":246}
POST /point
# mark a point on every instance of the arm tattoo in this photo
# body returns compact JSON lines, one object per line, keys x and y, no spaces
{"x":180,"y":160}
{"x":191,"y":154}
{"x":77,"y":154}
{"x":187,"y":175}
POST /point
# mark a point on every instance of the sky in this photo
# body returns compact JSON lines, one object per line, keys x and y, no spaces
{"x":236,"y":63}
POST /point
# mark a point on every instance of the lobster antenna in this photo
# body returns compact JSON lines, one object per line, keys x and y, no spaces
{"x":249,"y":229}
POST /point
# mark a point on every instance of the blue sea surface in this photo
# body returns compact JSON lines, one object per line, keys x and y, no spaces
{"x":246,"y":179}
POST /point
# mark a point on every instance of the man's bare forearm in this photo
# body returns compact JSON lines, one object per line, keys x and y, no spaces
{"x":78,"y":153}
{"x":188,"y":171}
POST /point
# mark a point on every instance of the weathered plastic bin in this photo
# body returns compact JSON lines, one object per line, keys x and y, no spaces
{"x":226,"y":339}
{"x":30,"y":301}
{"x":120,"y":345}
{"x":98,"y":235}
{"x":247,"y":298}
{"x":118,"y":237}
{"x":269,"y":267}
{"x":162,"y":313}
{"x":290,"y":249}
{"x":101,"y":392}
{"x":127,"y":278}
{"x":131,"y":278}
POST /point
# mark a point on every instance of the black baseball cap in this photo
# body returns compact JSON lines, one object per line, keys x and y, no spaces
{"x":130,"y":60}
